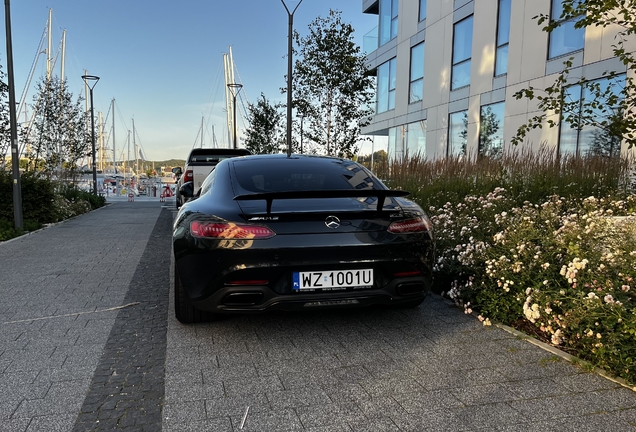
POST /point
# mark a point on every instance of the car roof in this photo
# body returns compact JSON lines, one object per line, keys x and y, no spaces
{"x":281,"y":156}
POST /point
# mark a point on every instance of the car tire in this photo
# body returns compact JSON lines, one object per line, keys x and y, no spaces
{"x":185,"y":312}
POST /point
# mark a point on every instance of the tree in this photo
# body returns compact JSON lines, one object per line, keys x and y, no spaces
{"x":331,"y":87}
{"x":265,"y":134}
{"x":488,"y":146}
{"x":378,"y":157}
{"x":5,"y":124}
{"x":59,"y":138}
{"x":607,"y":108}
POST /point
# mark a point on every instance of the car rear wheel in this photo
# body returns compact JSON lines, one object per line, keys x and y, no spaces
{"x":183,"y":308}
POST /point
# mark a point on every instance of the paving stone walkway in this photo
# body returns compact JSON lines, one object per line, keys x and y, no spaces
{"x":89,"y":342}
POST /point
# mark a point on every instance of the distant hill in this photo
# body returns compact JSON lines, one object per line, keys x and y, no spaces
{"x":170,"y":162}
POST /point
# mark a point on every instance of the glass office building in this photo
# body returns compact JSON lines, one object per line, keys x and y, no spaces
{"x":446,"y":72}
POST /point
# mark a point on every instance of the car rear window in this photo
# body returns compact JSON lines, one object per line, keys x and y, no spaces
{"x":279,"y":175}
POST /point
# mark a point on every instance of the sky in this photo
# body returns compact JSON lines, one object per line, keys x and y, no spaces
{"x":162,"y":61}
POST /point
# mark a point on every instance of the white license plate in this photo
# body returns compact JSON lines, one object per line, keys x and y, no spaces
{"x":332,"y":280}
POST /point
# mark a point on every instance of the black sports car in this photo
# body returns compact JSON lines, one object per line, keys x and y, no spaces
{"x":272,"y":232}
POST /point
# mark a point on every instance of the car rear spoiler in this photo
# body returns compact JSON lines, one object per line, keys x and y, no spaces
{"x":381,"y":194}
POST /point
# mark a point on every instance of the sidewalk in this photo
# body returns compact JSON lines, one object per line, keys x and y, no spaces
{"x":62,"y":289}
{"x":88,"y":342}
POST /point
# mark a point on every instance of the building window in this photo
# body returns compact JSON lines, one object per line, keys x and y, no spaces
{"x":462,"y":47}
{"x":416,"y":85}
{"x":565,"y":38}
{"x":491,"y":123}
{"x":416,"y":139}
{"x":394,"y":146}
{"x":388,"y":20}
{"x":386,"y":86}
{"x":407,"y":141}
{"x":422,"y":10}
{"x":503,"y":37}
{"x":584,"y":139}
{"x":457,"y":133}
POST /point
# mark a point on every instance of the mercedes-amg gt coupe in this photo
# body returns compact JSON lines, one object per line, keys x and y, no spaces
{"x":299,"y":232}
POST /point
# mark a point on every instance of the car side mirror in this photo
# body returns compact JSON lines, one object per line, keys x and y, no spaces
{"x":187,"y":190}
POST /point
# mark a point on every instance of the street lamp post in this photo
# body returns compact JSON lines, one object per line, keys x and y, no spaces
{"x":235,"y":88}
{"x":289,"y":73}
{"x":15,"y":153}
{"x":88,"y":79}
{"x":301,"y":117}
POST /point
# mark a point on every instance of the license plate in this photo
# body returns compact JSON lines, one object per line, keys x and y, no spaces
{"x":332,"y":280}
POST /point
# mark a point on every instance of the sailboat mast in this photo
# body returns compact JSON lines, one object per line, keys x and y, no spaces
{"x":100,"y":120}
{"x":228,"y":62}
{"x":49,"y":59}
{"x":202,"y":118}
{"x":135,"y":150}
{"x":128,"y":153}
{"x":62,"y":76}
{"x":114,"y":152}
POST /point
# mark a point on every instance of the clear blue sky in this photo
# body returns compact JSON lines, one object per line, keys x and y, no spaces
{"x":162,"y":60}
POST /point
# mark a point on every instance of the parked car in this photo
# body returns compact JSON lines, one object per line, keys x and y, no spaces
{"x":271,"y":232}
{"x":200,"y":162}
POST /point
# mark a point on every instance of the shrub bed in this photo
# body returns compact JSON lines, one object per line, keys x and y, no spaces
{"x":543,"y":246}
{"x":43,"y":202}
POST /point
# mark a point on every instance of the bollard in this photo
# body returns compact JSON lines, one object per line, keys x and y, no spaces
{"x":131,"y":197}
{"x":162,"y":198}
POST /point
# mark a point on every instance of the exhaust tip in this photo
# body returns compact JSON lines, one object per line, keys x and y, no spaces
{"x":410,"y":288}
{"x":243,"y":299}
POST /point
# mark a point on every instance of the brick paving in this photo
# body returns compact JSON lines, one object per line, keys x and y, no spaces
{"x":88,"y":342}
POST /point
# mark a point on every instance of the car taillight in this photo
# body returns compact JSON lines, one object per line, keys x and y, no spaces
{"x":188,"y":176}
{"x":230,"y":230}
{"x":420,"y":224}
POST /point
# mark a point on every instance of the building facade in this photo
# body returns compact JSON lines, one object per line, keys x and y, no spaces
{"x":447,"y":72}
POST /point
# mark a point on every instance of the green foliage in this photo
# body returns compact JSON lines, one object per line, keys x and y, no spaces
{"x":331,"y":88}
{"x":43,"y":202}
{"x":265,"y":134}
{"x":606,"y":108}
{"x":8,"y":231}
{"x":58,"y":139}
{"x":5,"y":126}
{"x":379,"y":159}
{"x":533,"y":242}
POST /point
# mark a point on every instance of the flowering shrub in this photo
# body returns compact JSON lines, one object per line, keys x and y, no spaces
{"x":565,"y":265}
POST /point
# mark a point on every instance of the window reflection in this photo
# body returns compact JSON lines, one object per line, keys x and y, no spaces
{"x":462,"y":49}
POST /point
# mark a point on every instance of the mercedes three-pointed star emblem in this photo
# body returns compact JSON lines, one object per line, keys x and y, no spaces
{"x":332,"y":222}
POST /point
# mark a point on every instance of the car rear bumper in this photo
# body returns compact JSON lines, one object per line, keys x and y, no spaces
{"x":255,"y":299}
